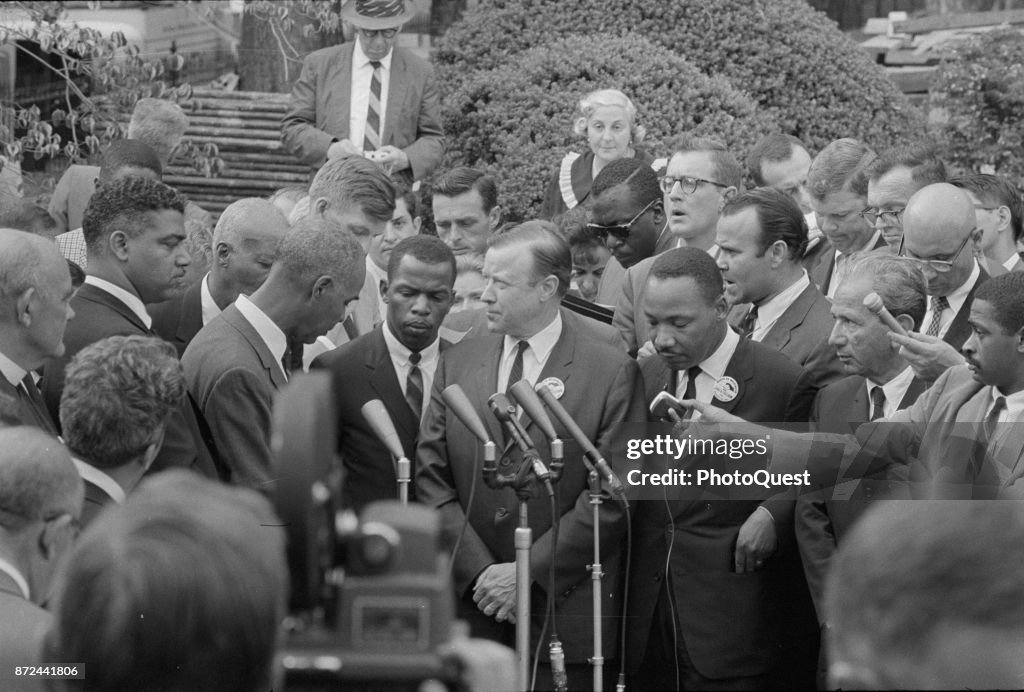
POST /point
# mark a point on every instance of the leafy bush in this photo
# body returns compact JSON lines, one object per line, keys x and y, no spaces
{"x":516,"y":119}
{"x":790,"y":59}
{"x":980,"y":89}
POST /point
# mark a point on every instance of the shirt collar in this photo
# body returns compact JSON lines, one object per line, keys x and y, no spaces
{"x":11,"y":371}
{"x":715,"y":364}
{"x":19,"y":579}
{"x":359,"y":58}
{"x":772,"y":309}
{"x":399,"y":351}
{"x":1014,"y":403}
{"x":271,"y":334}
{"x":206,"y":301}
{"x":957,"y":298}
{"x":93,"y":475}
{"x":132,"y":301}
{"x":1011,"y":262}
{"x":896,"y":388}
{"x":541,"y":343}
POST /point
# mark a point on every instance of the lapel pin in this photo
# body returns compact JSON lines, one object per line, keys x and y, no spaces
{"x":726,"y":389}
{"x":556,"y":386}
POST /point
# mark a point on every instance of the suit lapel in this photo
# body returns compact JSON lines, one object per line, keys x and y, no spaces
{"x":559,"y":360}
{"x":779,"y":335}
{"x":98,"y":295}
{"x":274,"y":369}
{"x":384,"y":381}
{"x":340,"y":78}
{"x":396,"y":92}
{"x":486,"y":383}
{"x":959,"y":330}
{"x":859,"y":408}
{"x":191,"y":312}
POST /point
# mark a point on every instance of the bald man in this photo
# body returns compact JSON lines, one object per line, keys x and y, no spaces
{"x":236,"y":362}
{"x":35,"y":292}
{"x":40,"y":506}
{"x":940,"y":233}
{"x":245,"y":244}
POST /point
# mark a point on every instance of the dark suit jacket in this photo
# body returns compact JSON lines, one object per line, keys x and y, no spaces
{"x":821,"y":273}
{"x":36,"y":416}
{"x":22,"y":628}
{"x":319,"y":109}
{"x":730,"y":622}
{"x":98,"y":315}
{"x":821,"y":519}
{"x":602,"y":388}
{"x":801,"y":334}
{"x":362,"y":370}
{"x":179,"y":319}
{"x":233,"y":375}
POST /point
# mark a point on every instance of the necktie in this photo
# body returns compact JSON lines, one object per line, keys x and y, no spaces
{"x":691,"y":382}
{"x":938,"y":306}
{"x":371,"y":136}
{"x":516,"y":373}
{"x":31,"y":403}
{"x":292,"y":359}
{"x":749,"y":323}
{"x":414,"y":385}
{"x":877,"y":403}
{"x":993,"y":418}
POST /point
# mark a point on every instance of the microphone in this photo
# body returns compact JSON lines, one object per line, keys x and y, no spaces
{"x":667,"y":406}
{"x":614,"y":484}
{"x":505,"y":411}
{"x":873,"y":302}
{"x":458,"y":402}
{"x":523,"y":393}
{"x":376,"y":414}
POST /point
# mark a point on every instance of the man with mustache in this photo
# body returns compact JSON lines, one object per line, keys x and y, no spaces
{"x":135,"y":231}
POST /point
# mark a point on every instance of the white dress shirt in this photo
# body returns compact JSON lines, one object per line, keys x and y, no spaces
{"x":362,"y":75}
{"x":712,"y":369}
{"x":956,"y":301}
{"x":206,"y":301}
{"x":271,"y":334}
{"x":400,"y":360}
{"x":841,"y":260}
{"x":894,"y":391}
{"x":772,"y":309}
{"x":19,"y":579}
{"x":534,"y":358}
{"x":11,"y":371}
{"x":133,"y":302}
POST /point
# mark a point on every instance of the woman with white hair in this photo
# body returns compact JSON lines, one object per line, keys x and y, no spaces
{"x":607,"y":118}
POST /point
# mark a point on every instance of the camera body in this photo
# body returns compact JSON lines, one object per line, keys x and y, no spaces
{"x":371,"y":595}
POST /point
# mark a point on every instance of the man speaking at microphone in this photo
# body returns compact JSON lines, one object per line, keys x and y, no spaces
{"x":527,"y":270}
{"x":394,"y":363}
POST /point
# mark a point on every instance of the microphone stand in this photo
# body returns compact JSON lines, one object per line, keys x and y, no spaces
{"x":520,"y":481}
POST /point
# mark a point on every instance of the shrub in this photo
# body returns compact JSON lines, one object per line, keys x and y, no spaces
{"x":790,"y":59}
{"x":980,"y":89}
{"x":516,"y":120}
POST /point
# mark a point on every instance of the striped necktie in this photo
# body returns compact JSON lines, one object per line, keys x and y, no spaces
{"x":939,"y":305}
{"x":371,"y":136}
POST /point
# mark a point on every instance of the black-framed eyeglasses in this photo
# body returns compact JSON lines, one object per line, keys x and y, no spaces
{"x":374,"y":33}
{"x":619,"y":231}
{"x":890,"y":216}
{"x":687,"y":183}
{"x":937,"y":266}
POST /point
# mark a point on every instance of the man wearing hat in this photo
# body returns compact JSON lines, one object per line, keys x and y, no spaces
{"x":368,"y":98}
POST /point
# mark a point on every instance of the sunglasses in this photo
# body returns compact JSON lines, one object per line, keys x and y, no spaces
{"x":619,"y":231}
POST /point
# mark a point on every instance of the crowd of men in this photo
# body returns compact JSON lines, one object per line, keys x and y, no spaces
{"x":862,"y":309}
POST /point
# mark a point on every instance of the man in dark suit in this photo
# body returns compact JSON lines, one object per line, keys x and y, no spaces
{"x":35,"y":291}
{"x":941,"y":235}
{"x":236,"y":362}
{"x":893,"y":178}
{"x":528,"y":270}
{"x":135,"y":230}
{"x":838,"y":183}
{"x":380,"y":365}
{"x":761,"y":236}
{"x":244,"y":245}
{"x":999,"y":209}
{"x":880,"y":382}
{"x":711,"y":586}
{"x":368,"y":97}
{"x":118,"y":396}
{"x":40,"y":504}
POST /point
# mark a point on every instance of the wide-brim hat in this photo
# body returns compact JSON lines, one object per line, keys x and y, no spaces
{"x":378,"y":14}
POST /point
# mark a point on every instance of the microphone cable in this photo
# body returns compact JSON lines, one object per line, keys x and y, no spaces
{"x":549,"y":612}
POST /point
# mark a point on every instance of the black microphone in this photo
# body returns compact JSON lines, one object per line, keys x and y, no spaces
{"x":523,"y":393}
{"x":505,"y":411}
{"x":459,"y":404}
{"x":559,"y":412}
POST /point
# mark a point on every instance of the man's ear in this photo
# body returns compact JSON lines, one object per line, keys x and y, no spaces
{"x":320,"y":206}
{"x":384,"y":291}
{"x":117,"y":242}
{"x":1004,"y":217}
{"x":975,"y":236}
{"x":658,"y":213}
{"x":321,"y":286}
{"x":222,"y":251}
{"x":728,"y":193}
{"x":24,"y":305}
{"x":56,"y":536}
{"x":494,"y":218}
{"x":722,"y":307}
{"x":907,"y":322}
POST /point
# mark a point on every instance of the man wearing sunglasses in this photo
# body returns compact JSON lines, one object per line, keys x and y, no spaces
{"x":40,"y":506}
{"x":940,"y":234}
{"x":368,"y":98}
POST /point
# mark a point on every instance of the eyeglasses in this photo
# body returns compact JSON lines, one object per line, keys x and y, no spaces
{"x":688,"y":184}
{"x":890,"y":216}
{"x":937,"y":266}
{"x":374,"y":33}
{"x":619,"y":231}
